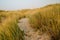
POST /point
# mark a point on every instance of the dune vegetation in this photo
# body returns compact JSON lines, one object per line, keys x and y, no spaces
{"x":45,"y":19}
{"x":9,"y":29}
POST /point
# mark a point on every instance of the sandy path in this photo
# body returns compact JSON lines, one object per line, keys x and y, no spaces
{"x":30,"y":33}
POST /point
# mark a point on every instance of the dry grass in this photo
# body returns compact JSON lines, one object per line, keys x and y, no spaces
{"x":9,"y":29}
{"x":47,"y":19}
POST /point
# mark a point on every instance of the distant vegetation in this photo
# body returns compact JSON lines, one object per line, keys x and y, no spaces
{"x":45,"y":19}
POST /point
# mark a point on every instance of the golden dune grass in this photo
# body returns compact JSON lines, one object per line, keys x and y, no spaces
{"x":45,"y":19}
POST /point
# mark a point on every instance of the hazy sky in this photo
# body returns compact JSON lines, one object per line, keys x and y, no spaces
{"x":23,"y":4}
